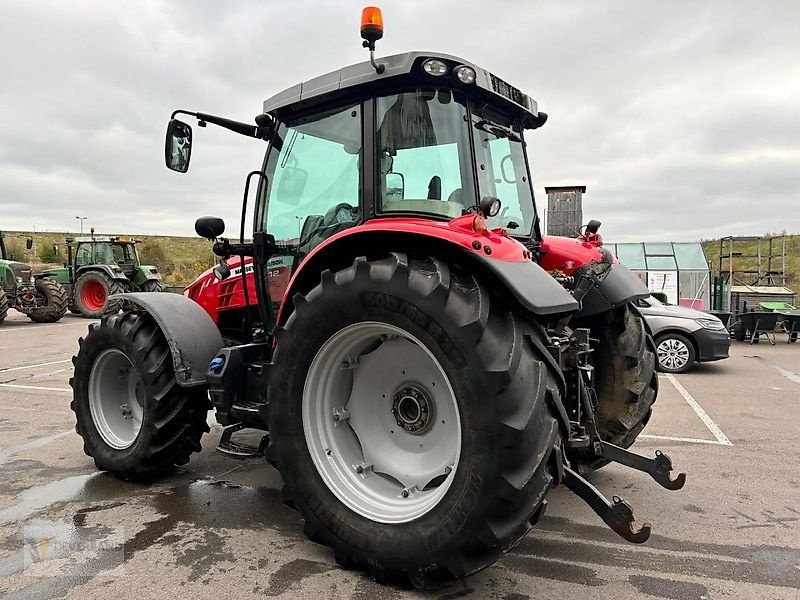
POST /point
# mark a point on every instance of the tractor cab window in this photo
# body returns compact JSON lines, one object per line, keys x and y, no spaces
{"x":83,"y":255}
{"x":424,"y":156}
{"x":502,"y":169}
{"x":313,"y":187}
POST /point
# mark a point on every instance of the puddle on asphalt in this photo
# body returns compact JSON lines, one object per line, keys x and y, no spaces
{"x":40,"y":497}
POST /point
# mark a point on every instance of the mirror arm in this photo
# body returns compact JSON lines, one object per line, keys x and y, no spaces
{"x":224,"y":249}
{"x":262,"y":130}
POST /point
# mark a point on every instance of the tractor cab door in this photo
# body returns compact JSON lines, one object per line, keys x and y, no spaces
{"x":83,"y":256}
{"x":313,"y":190}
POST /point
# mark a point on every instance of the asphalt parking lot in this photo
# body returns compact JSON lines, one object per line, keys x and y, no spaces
{"x":218,"y":528}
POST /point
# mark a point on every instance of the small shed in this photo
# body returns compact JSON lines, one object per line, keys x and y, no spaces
{"x":679,"y":270}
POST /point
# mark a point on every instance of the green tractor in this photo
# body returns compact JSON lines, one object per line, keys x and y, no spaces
{"x":99,"y":267}
{"x":41,"y":299}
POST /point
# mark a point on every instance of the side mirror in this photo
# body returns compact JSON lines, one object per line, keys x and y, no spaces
{"x":29,"y":243}
{"x":395,"y":186}
{"x":593,"y":226}
{"x":178,"y":146}
{"x":209,"y":227}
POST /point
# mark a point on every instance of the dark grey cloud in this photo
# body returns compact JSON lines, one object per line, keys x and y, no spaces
{"x":680,"y":117}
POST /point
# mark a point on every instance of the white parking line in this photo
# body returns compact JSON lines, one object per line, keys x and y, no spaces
{"x":34,"y":366}
{"x":790,"y":375}
{"x":29,"y":327}
{"x":681,"y":439}
{"x":722,"y":439}
{"x":34,"y":387}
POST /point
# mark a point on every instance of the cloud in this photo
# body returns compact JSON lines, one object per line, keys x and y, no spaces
{"x":679,"y":117}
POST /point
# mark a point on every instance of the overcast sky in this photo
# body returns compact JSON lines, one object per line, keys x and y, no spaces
{"x":680,"y":117}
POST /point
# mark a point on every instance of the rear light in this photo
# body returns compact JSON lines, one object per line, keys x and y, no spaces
{"x":435,"y":67}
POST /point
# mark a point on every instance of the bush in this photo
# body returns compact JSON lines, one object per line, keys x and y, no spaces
{"x":16,"y":250}
{"x":151,"y":253}
{"x":49,"y":254}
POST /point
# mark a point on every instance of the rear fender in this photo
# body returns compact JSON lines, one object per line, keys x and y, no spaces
{"x":192,"y":336}
{"x":106,"y":270}
{"x":618,"y":287}
{"x":523,"y":281}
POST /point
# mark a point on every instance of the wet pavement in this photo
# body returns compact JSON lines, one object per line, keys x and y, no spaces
{"x":217,"y":527}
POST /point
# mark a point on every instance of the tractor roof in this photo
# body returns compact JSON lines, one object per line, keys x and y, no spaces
{"x":119,"y":239}
{"x":401,"y":70}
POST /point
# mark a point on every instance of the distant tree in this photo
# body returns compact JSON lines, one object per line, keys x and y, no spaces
{"x":152,"y":253}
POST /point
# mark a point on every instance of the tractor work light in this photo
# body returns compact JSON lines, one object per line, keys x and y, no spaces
{"x":371,"y":24}
{"x":465,"y":74}
{"x":435,"y":67}
{"x":490,"y":206}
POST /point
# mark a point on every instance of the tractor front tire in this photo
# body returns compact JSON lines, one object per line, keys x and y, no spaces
{"x":135,"y":420}
{"x":92,"y":291}
{"x":153,"y":285}
{"x":3,"y":305}
{"x":626,"y":382}
{"x":412,"y":419}
{"x":57,"y":301}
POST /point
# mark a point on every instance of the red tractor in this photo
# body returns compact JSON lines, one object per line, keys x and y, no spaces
{"x":425,"y":365}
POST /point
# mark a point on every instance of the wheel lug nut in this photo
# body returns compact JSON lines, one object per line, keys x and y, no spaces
{"x":404,"y":493}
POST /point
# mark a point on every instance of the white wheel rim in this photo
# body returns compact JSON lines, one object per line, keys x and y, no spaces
{"x":382,"y":470}
{"x":116,"y":399}
{"x":673,"y":353}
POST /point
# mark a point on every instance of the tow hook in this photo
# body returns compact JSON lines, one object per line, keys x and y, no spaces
{"x":659,"y":468}
{"x":617,"y":513}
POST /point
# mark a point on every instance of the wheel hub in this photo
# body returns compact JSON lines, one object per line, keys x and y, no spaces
{"x":413,"y":409}
{"x":381,"y":422}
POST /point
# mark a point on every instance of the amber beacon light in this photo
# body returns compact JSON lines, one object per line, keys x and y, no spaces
{"x":371,"y":25}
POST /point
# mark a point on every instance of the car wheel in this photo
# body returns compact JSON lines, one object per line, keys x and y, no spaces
{"x":675,"y":353}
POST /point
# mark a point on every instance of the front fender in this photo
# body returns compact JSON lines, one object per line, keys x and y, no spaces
{"x":146,"y":273}
{"x":192,"y":336}
{"x":619,"y":286}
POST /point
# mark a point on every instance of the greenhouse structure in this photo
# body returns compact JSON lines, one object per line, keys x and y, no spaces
{"x":677,"y":271}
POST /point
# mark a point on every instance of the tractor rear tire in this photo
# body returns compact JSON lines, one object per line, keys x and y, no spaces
{"x":57,"y":301}
{"x":91,"y":295}
{"x":3,"y":305}
{"x":135,"y":420}
{"x":626,"y":382}
{"x":151,"y":286}
{"x":348,"y":423}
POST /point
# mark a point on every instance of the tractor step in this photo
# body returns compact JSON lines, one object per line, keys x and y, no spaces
{"x":233,"y":449}
{"x":247,"y":406}
{"x":617,"y":513}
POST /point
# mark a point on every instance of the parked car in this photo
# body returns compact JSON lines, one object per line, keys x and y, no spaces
{"x":684,"y":335}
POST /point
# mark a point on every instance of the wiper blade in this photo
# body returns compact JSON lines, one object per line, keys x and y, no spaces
{"x":497,"y":130}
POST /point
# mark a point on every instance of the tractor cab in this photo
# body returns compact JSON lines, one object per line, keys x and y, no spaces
{"x":119,"y":251}
{"x":419,"y":143}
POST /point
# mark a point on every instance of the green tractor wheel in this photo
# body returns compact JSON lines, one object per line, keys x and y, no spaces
{"x":3,"y":305}
{"x":56,"y":305}
{"x":151,"y":286}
